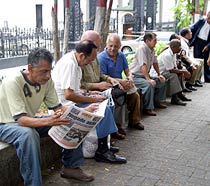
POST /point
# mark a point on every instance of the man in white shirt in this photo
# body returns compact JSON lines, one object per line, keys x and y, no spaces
{"x":168,"y":68}
{"x":196,"y":64}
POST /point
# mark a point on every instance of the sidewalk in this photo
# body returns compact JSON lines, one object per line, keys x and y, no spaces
{"x":173,"y":150}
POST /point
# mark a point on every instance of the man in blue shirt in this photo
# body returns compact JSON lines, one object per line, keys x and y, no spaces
{"x":113,"y":63}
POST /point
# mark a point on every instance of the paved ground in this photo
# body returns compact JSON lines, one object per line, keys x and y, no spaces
{"x":173,"y":150}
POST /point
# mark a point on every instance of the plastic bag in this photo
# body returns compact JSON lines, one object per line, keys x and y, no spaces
{"x":90,"y":144}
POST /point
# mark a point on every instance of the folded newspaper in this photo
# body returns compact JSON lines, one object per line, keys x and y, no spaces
{"x":81,"y":122}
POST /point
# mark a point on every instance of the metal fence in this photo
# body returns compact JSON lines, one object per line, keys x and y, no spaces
{"x":18,"y":42}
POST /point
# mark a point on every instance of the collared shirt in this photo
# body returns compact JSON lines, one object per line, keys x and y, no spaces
{"x":67,"y":74}
{"x":167,"y":60}
{"x":91,"y":73}
{"x":204,"y":32}
{"x":185,"y":45}
{"x":144,"y":55}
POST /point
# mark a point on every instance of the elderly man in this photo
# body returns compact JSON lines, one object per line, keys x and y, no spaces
{"x":195,"y":63}
{"x":21,"y":96}
{"x":168,"y":68}
{"x":67,"y":75}
{"x":94,"y":79}
{"x":153,"y":88}
{"x":113,"y":63}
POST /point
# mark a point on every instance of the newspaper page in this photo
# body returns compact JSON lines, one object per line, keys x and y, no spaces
{"x":80,"y":123}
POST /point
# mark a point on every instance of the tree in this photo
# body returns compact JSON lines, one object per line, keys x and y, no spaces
{"x":66,"y":28}
{"x":185,"y":9}
{"x":102,"y":19}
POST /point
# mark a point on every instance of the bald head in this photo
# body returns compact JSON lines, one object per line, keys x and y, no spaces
{"x":92,"y":36}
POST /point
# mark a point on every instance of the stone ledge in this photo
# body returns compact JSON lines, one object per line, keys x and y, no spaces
{"x":9,"y":163}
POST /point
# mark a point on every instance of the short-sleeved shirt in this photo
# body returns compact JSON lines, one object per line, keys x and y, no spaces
{"x":144,"y":55}
{"x":67,"y":74}
{"x":111,"y":68}
{"x":167,"y":60}
{"x":19,"y":97}
{"x":91,"y":73}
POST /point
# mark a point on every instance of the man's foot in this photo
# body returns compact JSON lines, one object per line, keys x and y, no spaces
{"x":109,"y":157}
{"x":114,"y":149}
{"x":121,"y":131}
{"x":190,"y":87}
{"x":183,"y":97}
{"x":137,"y":126}
{"x":187,"y":90}
{"x":176,"y":101}
{"x":160,"y":105}
{"x":75,"y":173}
{"x":198,"y":84}
{"x":150,"y":112}
{"x":118,"y":136}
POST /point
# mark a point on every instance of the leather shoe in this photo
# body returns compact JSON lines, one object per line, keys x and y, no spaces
{"x":160,"y":105}
{"x":109,"y":157}
{"x":183,"y":97}
{"x":190,"y":87}
{"x":121,"y":131}
{"x":114,"y":149}
{"x":187,"y":90}
{"x":138,"y":126}
{"x":118,"y":136}
{"x":150,"y":112}
{"x":197,"y":84}
{"x":75,"y":173}
{"x":176,"y":101}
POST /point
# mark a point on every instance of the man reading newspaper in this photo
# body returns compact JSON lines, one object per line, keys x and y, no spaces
{"x":67,"y":75}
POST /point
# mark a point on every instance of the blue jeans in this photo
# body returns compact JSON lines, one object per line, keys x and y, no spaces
{"x":27,"y":143}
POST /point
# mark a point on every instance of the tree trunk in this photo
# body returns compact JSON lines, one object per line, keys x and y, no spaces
{"x":106,"y":26}
{"x":56,"y":47}
{"x":66,"y":27}
{"x":100,"y":19}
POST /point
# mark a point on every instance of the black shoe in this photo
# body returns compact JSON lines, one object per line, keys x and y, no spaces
{"x":176,"y":101}
{"x":109,"y":157}
{"x":197,"y":84}
{"x":190,"y":87}
{"x":199,"y":81}
{"x":160,"y":105}
{"x":138,"y":126}
{"x":183,"y":97}
{"x":187,"y":90}
{"x":114,"y":149}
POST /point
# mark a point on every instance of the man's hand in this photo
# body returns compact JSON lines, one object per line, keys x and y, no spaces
{"x":161,"y":78}
{"x":208,"y":61}
{"x":104,"y":85}
{"x":92,"y":107}
{"x":152,"y":82}
{"x":56,"y":120}
{"x":205,"y":49}
{"x":127,"y":84}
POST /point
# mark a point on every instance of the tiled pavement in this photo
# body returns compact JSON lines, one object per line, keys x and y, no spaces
{"x":173,"y":150}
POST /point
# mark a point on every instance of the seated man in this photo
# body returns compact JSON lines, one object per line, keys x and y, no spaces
{"x":94,"y":79}
{"x":67,"y":75}
{"x":186,"y":35}
{"x":21,"y":96}
{"x":113,"y":63}
{"x":168,"y":68}
{"x":153,"y":88}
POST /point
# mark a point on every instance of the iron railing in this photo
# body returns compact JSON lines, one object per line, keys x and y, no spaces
{"x":17,"y":42}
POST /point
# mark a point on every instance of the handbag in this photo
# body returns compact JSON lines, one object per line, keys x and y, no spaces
{"x":119,"y":95}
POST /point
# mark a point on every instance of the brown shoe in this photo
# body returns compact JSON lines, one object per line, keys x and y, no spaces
{"x":75,"y":173}
{"x":118,"y":136}
{"x":150,"y":112}
{"x":160,"y":105}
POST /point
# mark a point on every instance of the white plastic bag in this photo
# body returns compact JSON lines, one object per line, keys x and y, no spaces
{"x":90,"y":144}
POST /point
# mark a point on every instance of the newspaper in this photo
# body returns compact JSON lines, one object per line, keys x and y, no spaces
{"x":80,"y":123}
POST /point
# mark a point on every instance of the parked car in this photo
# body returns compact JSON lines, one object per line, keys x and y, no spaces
{"x":131,"y":45}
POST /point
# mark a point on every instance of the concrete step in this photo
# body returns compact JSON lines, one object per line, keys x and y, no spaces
{"x":9,"y":163}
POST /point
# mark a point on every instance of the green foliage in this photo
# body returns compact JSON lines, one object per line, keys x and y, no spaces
{"x":159,"y":48}
{"x":183,"y":12}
